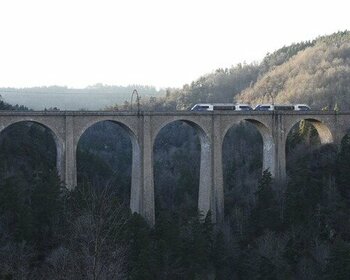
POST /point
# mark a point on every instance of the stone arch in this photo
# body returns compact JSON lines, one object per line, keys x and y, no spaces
{"x":205,"y":193}
{"x":136,"y":168}
{"x":268,"y":145}
{"x":295,"y":148}
{"x":54,"y":133}
{"x":268,"y":142}
{"x":86,"y":125}
{"x":199,"y":128}
{"x":324,"y":132}
{"x":51,"y":129}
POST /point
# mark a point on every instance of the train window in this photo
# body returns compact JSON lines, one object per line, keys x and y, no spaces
{"x":224,"y":107}
{"x":245,"y":108}
{"x":284,"y":107}
{"x":302,"y":108}
{"x":263,"y":107}
{"x":200,"y":108}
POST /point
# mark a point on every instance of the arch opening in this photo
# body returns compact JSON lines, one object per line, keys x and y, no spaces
{"x":28,"y":149}
{"x":343,"y":166}
{"x":106,"y":153}
{"x":243,"y":163}
{"x":312,"y":176}
{"x":302,"y":139}
{"x":30,"y":188}
{"x":181,"y":152}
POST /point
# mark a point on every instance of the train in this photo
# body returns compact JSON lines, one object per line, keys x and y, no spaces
{"x":246,"y":107}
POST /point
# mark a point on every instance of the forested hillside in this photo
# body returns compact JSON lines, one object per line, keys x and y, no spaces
{"x":319,"y":75}
{"x":314,"y":72}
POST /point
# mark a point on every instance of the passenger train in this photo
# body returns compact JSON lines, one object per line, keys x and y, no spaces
{"x":246,"y":107}
{"x":221,"y":107}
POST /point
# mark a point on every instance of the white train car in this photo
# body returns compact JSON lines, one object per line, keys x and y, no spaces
{"x":221,"y":107}
{"x":282,"y":107}
{"x":245,"y":107}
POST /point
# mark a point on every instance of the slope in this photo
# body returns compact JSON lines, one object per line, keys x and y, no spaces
{"x":318,"y":75}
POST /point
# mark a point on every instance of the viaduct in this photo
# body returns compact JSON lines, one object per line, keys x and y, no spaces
{"x":67,"y":127}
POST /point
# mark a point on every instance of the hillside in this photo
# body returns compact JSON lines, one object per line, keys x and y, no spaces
{"x":314,"y":72}
{"x":319,"y":75}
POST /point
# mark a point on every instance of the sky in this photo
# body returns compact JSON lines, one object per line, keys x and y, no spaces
{"x":164,"y":43}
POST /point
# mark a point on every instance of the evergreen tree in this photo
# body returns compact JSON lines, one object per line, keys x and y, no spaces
{"x":338,"y":266}
{"x":267,"y":270}
{"x":265,"y":214}
{"x":343,"y":168}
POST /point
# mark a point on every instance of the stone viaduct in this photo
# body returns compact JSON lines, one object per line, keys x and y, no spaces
{"x":68,"y":126}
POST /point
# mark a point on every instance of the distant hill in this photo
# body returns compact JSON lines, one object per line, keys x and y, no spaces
{"x":90,"y":98}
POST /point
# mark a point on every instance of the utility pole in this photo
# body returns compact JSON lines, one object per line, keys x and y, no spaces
{"x":137,"y":100}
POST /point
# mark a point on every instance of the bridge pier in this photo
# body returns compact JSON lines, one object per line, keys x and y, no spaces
{"x":279,"y":136}
{"x":61,"y":159}
{"x":269,"y":153}
{"x":280,"y":175}
{"x":147,"y":204}
{"x":218,"y":177}
{"x":70,"y":154}
{"x":136,"y":178}
{"x":205,"y":192}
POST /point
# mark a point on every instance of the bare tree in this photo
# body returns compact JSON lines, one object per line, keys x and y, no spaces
{"x":94,"y":250}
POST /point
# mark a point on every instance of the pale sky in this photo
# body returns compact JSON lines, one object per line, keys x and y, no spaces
{"x":77,"y":43}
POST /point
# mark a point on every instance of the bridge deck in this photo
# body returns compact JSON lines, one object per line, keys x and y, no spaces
{"x":169,"y":113}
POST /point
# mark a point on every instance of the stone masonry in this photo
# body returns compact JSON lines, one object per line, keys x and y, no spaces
{"x":68,"y":126}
